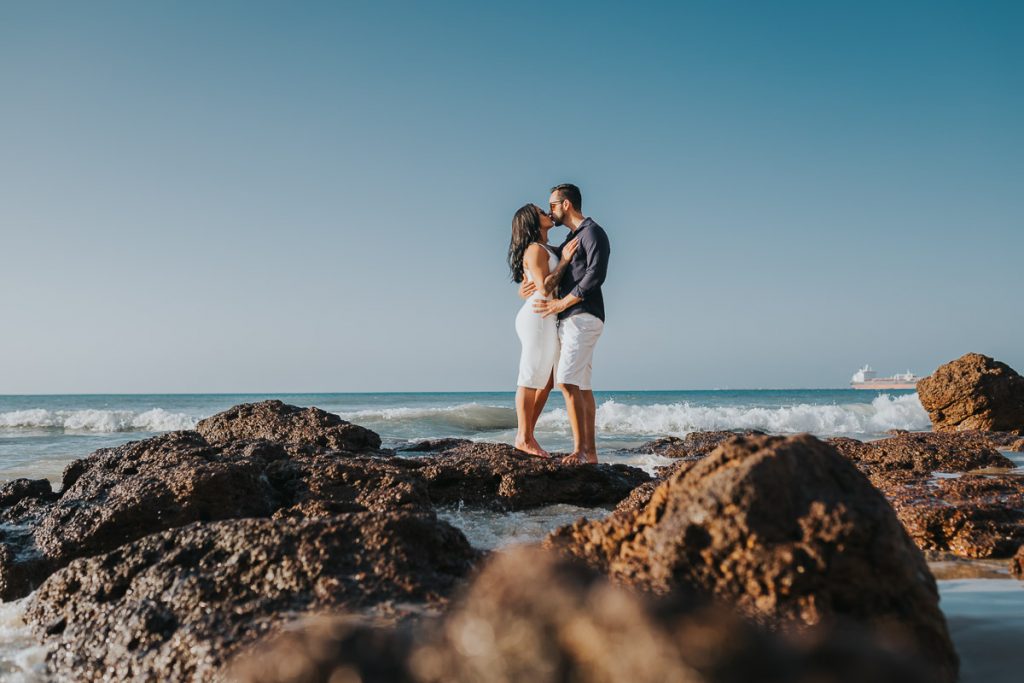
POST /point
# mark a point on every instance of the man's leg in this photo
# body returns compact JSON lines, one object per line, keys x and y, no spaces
{"x":590,"y":420}
{"x":574,"y":405}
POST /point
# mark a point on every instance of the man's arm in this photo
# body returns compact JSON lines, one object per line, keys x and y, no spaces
{"x":596,"y":249}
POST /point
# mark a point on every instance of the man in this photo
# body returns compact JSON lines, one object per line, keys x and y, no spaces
{"x":580,"y":311}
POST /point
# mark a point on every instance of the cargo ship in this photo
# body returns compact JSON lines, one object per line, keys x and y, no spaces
{"x":865,"y":379}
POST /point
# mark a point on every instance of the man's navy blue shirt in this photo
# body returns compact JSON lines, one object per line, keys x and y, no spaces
{"x":587,"y":270}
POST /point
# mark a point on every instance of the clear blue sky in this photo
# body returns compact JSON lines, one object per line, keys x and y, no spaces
{"x":260,"y":196}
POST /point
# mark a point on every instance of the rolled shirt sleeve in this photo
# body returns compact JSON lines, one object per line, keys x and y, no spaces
{"x":595,"y":249}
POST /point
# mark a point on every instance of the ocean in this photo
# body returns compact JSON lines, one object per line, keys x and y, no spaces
{"x":40,"y":435}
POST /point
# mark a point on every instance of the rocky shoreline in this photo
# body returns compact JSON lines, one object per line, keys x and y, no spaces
{"x":277,"y":543}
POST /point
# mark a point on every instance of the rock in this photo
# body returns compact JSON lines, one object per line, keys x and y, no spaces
{"x":498,"y":476}
{"x":638,"y":497}
{"x":118,"y":495}
{"x":1017,"y":563}
{"x":784,"y":529}
{"x":529,"y":617}
{"x":694,"y":445}
{"x":435,"y":445}
{"x":17,"y":490}
{"x":973,"y":516}
{"x":178,"y":604}
{"x":973,"y":392}
{"x":921,"y":453}
{"x":282,"y":423}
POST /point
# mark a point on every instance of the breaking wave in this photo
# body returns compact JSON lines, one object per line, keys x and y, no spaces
{"x":466,"y":417}
{"x":678,"y":419}
{"x":674,"y":419}
{"x":155,"y":420}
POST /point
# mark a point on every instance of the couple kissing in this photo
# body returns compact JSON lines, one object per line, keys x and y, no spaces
{"x":562,"y":318}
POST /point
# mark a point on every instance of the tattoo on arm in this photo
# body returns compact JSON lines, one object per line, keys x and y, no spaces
{"x":552,"y":280}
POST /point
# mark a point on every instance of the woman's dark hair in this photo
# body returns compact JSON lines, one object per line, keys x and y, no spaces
{"x":525,"y":231}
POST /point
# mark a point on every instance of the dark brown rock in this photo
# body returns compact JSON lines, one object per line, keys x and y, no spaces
{"x":118,"y":495}
{"x":973,"y":516}
{"x":282,"y":423}
{"x":694,"y":445}
{"x":17,"y":490}
{"x":974,"y":392}
{"x":786,"y":530}
{"x":529,"y":617}
{"x":921,"y":453}
{"x":498,"y":476}
{"x":1017,"y":563}
{"x":435,"y":445}
{"x":178,"y":604}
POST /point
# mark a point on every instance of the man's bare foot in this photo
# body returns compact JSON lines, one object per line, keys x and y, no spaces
{"x":532,"y":448}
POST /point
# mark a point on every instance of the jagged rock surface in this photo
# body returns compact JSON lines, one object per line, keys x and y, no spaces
{"x":974,"y":392}
{"x":287,"y":424}
{"x":785,"y":529}
{"x":176,"y":605}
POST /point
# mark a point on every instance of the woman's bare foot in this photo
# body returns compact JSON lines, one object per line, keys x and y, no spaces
{"x":531,"y":447}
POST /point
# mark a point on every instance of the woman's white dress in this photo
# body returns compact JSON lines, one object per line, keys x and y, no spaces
{"x":539,"y":336}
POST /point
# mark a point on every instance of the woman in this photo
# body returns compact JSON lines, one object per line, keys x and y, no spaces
{"x":530,"y":257}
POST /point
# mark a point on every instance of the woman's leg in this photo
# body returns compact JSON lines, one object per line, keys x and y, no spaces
{"x":526,"y":400}
{"x":540,"y":401}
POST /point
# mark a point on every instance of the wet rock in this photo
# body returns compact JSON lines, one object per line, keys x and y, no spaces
{"x":435,"y":445}
{"x":498,"y":476}
{"x":530,"y":617}
{"x":973,"y":516}
{"x":178,"y":604}
{"x":17,"y":490}
{"x":282,"y":423}
{"x":1017,"y":563}
{"x":118,"y":495}
{"x":785,"y":529}
{"x":921,"y":453}
{"x":638,"y":497}
{"x":694,"y":445}
{"x":974,"y":392}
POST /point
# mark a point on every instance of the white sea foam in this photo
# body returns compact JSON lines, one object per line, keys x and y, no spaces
{"x":679,"y":419}
{"x":22,"y":658}
{"x":93,"y":420}
{"x":472,"y":417}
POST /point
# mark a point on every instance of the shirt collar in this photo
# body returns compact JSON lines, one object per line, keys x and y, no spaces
{"x":582,"y":223}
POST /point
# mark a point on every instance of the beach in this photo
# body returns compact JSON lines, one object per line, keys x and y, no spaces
{"x":41,"y":435}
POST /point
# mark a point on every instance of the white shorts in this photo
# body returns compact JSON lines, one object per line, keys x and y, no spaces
{"x":578,"y":336}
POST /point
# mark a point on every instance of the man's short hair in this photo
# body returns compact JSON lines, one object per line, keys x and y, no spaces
{"x":570,"y":192}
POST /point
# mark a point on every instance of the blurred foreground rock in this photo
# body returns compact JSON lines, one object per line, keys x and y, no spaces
{"x":532,"y":617}
{"x":788,"y":531}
